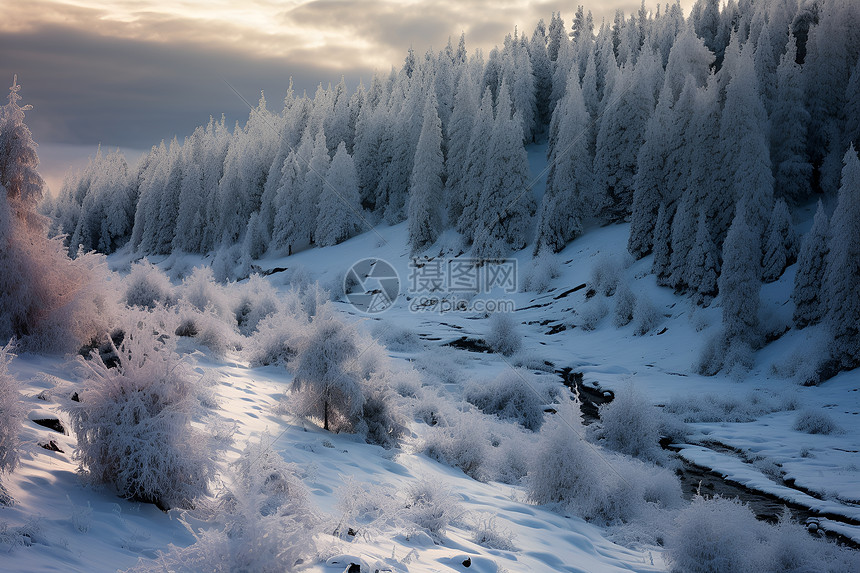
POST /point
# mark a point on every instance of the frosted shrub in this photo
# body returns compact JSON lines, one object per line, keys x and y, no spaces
{"x":211,"y":331}
{"x":503,"y":334}
{"x":382,"y":421}
{"x":541,"y":271}
{"x":793,"y":550}
{"x":605,"y":274}
{"x":631,"y":425}
{"x":133,"y":422}
{"x":698,"y":408}
{"x":201,"y":291}
{"x":645,"y":316}
{"x":581,"y":478}
{"x":625,"y":304}
{"x":276,"y":340}
{"x":716,"y":535}
{"x":592,"y":313}
{"x":148,"y":286}
{"x":255,"y":300}
{"x":463,"y":444}
{"x":49,"y":302}
{"x":513,"y":395}
{"x":267,"y":522}
{"x":488,"y":533}
{"x":11,"y":413}
{"x":366,"y":509}
{"x":397,"y":338}
{"x":431,"y":506}
{"x":815,"y":422}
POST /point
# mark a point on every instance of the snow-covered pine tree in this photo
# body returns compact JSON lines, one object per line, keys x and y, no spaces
{"x":542,"y":69}
{"x":745,"y":139}
{"x":780,"y":249}
{"x":740,"y":283}
{"x":459,"y":135}
{"x":789,"y":123}
{"x":842,"y":276}
{"x":426,"y":187}
{"x":312,"y":187}
{"x":703,"y":264}
{"x":506,"y":201}
{"x":556,"y":36}
{"x":18,"y":158}
{"x":569,"y":192}
{"x":809,"y":288}
{"x":339,"y":206}
{"x":621,"y":134}
{"x":478,"y":157}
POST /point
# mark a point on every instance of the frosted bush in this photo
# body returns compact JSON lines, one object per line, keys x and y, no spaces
{"x":148,"y":286}
{"x":605,"y":274}
{"x":579,"y":477}
{"x":382,"y":421}
{"x":625,"y":304}
{"x":255,"y":300}
{"x":437,"y":364}
{"x":541,"y":271}
{"x":49,"y":302}
{"x":266,"y":522}
{"x":707,"y":408}
{"x":488,"y":533}
{"x":397,"y":338}
{"x":503,"y":334}
{"x":631,"y":425}
{"x":133,"y":422}
{"x":793,"y":550}
{"x":207,"y":328}
{"x":464,"y":444}
{"x":592,"y":313}
{"x":432,"y":506}
{"x":201,"y":291}
{"x":512,"y":395}
{"x":366,"y":509}
{"x":510,"y":457}
{"x":645,"y":316}
{"x":276,"y":340}
{"x":716,"y":535}
{"x":11,"y":413}
{"x":812,"y":421}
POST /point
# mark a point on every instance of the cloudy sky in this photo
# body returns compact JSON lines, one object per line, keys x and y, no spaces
{"x":129,"y":73}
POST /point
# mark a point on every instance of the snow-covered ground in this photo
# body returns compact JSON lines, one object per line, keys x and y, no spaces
{"x":58,"y":523}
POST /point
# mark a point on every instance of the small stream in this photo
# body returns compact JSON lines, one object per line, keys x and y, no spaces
{"x":699,"y":480}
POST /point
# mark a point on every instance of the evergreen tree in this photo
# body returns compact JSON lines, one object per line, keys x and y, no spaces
{"x":556,"y":36}
{"x":18,"y":159}
{"x":789,"y":122}
{"x":662,"y":243}
{"x":478,"y":158}
{"x":542,"y":70}
{"x":506,"y":201}
{"x":570,"y":184}
{"x":704,"y":265}
{"x":312,"y":188}
{"x":459,"y":135}
{"x":842,"y":276}
{"x":780,"y":248}
{"x":425,"y":190}
{"x":339,"y":205}
{"x":809,"y":288}
{"x":746,"y":150}
{"x":739,"y":280}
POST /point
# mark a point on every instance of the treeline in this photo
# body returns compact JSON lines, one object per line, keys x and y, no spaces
{"x":687,"y":128}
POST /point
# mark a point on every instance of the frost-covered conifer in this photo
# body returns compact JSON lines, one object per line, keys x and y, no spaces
{"x":809,"y":288}
{"x":780,"y":249}
{"x":426,"y":187}
{"x":740,"y":279}
{"x":842,"y":277}
{"x":339,"y":208}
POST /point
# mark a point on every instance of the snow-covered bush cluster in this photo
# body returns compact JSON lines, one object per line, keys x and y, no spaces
{"x":503,"y":335}
{"x":133,"y":422}
{"x":515,"y":395}
{"x":582,"y":478}
{"x":719,"y":408}
{"x":264,"y":521}
{"x":812,"y":421}
{"x":631,"y":425}
{"x":722,"y":535}
{"x":542,"y":269}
